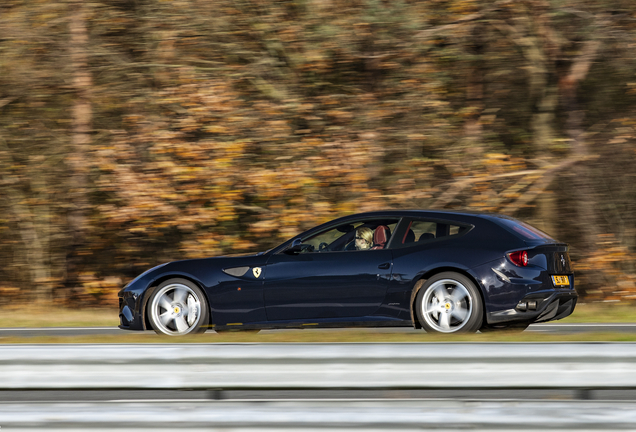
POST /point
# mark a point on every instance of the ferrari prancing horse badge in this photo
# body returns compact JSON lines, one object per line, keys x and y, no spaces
{"x":256,"y":271}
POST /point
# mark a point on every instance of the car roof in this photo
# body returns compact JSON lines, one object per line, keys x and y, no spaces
{"x":427,"y":213}
{"x":440,"y":215}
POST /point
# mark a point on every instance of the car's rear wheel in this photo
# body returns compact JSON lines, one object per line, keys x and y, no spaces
{"x":449,"y":303}
{"x":178,"y":307}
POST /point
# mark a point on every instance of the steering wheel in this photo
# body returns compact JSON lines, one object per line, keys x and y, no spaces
{"x":322,"y":246}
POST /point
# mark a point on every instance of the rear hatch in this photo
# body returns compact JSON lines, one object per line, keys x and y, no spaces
{"x":557,"y":258}
{"x":543,"y":251}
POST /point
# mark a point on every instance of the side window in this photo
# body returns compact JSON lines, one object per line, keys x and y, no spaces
{"x":352,"y":236}
{"x":420,"y":231}
{"x":335,"y":239}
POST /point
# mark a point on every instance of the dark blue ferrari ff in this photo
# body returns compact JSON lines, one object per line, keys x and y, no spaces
{"x":445,"y":272}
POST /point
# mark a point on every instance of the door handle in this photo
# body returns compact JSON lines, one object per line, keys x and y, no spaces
{"x":384,"y":266}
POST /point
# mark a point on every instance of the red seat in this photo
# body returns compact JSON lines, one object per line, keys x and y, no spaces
{"x":381,"y":237}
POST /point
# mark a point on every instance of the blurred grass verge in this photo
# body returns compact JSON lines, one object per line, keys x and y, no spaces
{"x":606,"y":312}
{"x":323,"y":336}
{"x":55,"y":316}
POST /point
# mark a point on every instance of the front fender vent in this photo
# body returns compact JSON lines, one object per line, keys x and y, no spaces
{"x":236,"y":271}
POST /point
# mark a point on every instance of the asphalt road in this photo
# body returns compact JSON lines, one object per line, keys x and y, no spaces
{"x":549,"y":328}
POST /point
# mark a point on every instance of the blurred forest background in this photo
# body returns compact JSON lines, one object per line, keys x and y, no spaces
{"x":133,"y":132}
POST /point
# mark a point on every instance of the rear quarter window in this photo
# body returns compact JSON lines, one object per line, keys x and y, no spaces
{"x":423,"y":231}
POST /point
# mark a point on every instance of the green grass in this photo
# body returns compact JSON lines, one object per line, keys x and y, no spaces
{"x":322,"y":336}
{"x":41,"y":316}
{"x":602,"y":313}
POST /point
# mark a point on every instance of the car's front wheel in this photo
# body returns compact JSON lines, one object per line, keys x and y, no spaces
{"x":178,"y":307}
{"x":449,"y":303}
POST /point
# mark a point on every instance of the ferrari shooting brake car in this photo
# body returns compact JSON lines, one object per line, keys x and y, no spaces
{"x":444,"y":272}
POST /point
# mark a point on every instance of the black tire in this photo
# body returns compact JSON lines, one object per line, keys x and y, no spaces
{"x":449,"y":303}
{"x":178,"y":307}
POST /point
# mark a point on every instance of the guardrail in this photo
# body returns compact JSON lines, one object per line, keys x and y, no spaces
{"x":320,"y":366}
{"x":367,"y":416}
{"x":53,"y":369}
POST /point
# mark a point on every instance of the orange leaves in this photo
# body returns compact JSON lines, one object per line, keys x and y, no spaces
{"x":166,"y":180}
{"x":102,"y":291}
{"x":227,"y":129}
{"x":216,"y":129}
{"x":498,"y":163}
{"x":609,"y":263}
{"x":464,"y":7}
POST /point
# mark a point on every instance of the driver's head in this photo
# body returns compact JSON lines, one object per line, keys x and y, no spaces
{"x":364,"y":238}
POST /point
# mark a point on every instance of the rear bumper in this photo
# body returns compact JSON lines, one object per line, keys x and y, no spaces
{"x":550,"y":306}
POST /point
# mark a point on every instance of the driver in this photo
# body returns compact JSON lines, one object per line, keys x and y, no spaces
{"x":364,"y":238}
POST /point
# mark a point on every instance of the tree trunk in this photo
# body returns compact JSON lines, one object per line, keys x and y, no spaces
{"x":547,"y":100}
{"x":543,"y":134}
{"x":534,"y":36}
{"x":582,"y":184}
{"x":473,"y":131}
{"x":35,"y":251}
{"x":33,"y":229}
{"x":82,"y":123}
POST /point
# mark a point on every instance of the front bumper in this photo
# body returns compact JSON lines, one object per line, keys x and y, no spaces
{"x":130,"y":307}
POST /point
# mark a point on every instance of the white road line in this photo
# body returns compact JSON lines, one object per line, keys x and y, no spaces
{"x":587,"y":325}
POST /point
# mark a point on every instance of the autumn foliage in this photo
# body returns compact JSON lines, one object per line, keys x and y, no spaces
{"x":191,"y":128}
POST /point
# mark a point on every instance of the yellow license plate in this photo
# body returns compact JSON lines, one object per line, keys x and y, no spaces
{"x":561,"y":280}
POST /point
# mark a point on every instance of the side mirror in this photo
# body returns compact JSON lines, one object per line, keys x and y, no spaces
{"x":296,"y":247}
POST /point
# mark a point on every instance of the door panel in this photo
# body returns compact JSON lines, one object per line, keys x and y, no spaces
{"x":326,"y":285}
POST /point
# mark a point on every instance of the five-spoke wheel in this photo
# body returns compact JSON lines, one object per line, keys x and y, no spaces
{"x":449,"y":303}
{"x":178,"y":307}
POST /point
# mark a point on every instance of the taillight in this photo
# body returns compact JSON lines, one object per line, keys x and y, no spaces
{"x":519,"y":258}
